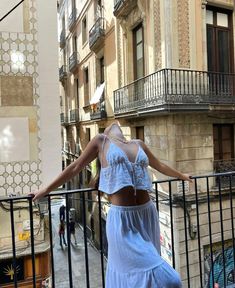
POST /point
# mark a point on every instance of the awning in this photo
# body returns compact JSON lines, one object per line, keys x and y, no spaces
{"x":98,"y":93}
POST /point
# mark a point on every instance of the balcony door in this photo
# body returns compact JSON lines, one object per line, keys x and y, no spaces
{"x":223,"y":138}
{"x":219,"y":52}
{"x":138,"y":54}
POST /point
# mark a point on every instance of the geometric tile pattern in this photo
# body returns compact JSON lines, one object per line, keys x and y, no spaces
{"x":21,"y":177}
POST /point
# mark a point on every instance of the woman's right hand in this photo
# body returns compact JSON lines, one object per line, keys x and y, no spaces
{"x":38,"y":194}
{"x":186,"y":177}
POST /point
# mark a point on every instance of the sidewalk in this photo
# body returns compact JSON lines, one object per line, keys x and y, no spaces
{"x":77,"y":259}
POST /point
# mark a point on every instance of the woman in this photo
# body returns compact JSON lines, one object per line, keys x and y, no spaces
{"x":132,"y":223}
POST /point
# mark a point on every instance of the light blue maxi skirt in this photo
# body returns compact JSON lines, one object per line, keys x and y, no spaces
{"x":133,"y":249}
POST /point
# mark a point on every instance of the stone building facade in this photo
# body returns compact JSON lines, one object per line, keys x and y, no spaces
{"x":30,"y":143}
{"x":168,"y":69}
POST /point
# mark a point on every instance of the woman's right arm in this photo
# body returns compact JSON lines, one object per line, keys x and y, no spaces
{"x":89,"y":154}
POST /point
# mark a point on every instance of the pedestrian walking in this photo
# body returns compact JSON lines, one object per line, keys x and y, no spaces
{"x":62,"y":212}
{"x":132,"y":223}
{"x":62,"y":233}
{"x":72,"y":230}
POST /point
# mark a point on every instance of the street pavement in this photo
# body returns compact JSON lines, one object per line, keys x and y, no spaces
{"x":77,"y":258}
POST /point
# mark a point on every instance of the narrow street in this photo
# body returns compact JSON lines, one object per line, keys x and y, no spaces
{"x":77,"y":258}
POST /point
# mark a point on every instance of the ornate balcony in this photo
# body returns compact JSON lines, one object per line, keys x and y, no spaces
{"x":63,"y":119}
{"x":72,"y":19}
{"x":62,"y":38}
{"x":221,"y":166}
{"x":123,"y":7}
{"x":96,"y":35}
{"x":172,"y":90}
{"x":63,"y":73}
{"x":99,"y":113}
{"x":73,"y":62}
{"x":73,"y":116}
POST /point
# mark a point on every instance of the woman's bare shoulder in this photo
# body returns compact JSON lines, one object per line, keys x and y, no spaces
{"x":99,"y":139}
{"x":140,"y":142}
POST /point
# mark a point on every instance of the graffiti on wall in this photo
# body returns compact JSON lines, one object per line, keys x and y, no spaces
{"x":165,"y":237}
{"x":219,"y":264}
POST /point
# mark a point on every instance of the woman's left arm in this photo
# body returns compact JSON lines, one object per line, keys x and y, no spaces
{"x":161,"y":167}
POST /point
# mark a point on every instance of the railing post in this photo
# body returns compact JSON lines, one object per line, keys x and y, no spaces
{"x":32,"y":241}
{"x":85,"y":240}
{"x":101,"y":242}
{"x":13,"y":243}
{"x":68,"y":242}
{"x":51,"y":243}
{"x":165,"y":85}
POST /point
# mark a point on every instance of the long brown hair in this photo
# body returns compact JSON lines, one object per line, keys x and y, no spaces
{"x":94,"y":182}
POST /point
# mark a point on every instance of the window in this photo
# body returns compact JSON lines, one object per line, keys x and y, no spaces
{"x":138,"y":49}
{"x":88,"y":134}
{"x":223,"y":141}
{"x":86,"y":86}
{"x":98,"y":9}
{"x":140,"y":133}
{"x":77,"y":92}
{"x":101,"y":130}
{"x":138,"y":54}
{"x":101,"y":69}
{"x":84,"y":30}
{"x":219,"y":36}
{"x":75,"y":44}
{"x":223,"y":137}
{"x":73,"y":4}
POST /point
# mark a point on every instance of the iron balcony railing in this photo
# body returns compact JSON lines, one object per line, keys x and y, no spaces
{"x":98,"y":110}
{"x":175,"y":90}
{"x":123,"y":7}
{"x":62,"y":38}
{"x":63,"y":72}
{"x":63,"y":118}
{"x":96,"y":33}
{"x":224,"y":165}
{"x":73,"y":61}
{"x":73,"y":115}
{"x":72,"y":18}
{"x":196,"y":233}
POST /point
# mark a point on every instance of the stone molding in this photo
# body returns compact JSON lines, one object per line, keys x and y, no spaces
{"x":157,"y":33}
{"x":183,"y":34}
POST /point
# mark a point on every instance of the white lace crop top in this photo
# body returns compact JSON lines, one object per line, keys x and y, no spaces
{"x":121,"y":172}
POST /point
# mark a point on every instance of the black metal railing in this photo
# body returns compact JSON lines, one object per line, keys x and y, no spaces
{"x":221,"y":166}
{"x":99,"y":113}
{"x":98,"y":110}
{"x":73,"y":61}
{"x":196,"y":225}
{"x":175,"y":89}
{"x":96,"y":32}
{"x":72,"y":18}
{"x":63,"y":118}
{"x":62,"y":38}
{"x":73,"y":115}
{"x":123,"y":7}
{"x":63,"y":72}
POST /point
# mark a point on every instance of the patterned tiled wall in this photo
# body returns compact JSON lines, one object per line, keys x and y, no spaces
{"x":21,"y":177}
